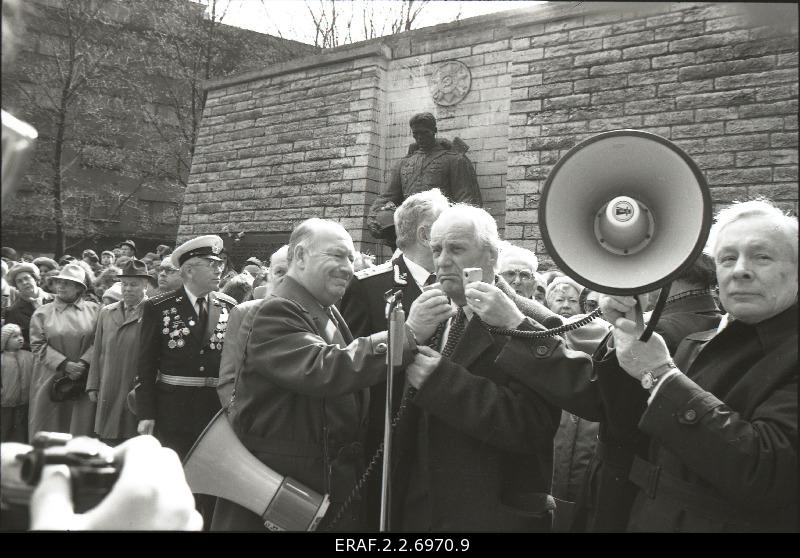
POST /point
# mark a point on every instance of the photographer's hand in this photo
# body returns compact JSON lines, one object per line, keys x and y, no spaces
{"x":150,"y":494}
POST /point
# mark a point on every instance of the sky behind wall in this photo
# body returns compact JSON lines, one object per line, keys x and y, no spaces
{"x":291,"y":19}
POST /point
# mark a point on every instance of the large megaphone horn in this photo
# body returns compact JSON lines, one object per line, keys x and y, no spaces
{"x":625,"y":212}
{"x":218,"y":464}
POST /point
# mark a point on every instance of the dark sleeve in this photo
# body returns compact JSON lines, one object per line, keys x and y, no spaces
{"x":510,"y":417}
{"x":565,"y":378}
{"x":232,"y":352}
{"x":285,"y":348}
{"x":752,"y":462}
{"x":355,"y":309}
{"x":149,"y":357}
{"x":464,"y":182}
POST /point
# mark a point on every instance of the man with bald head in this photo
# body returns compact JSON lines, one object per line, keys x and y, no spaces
{"x":301,"y":396}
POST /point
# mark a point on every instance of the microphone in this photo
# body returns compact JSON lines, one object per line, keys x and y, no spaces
{"x":397,"y":330}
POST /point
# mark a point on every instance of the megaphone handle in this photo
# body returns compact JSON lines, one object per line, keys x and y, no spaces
{"x":656,"y":313}
{"x":639,"y":315}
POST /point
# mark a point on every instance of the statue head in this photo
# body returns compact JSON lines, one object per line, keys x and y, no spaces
{"x":423,"y":128}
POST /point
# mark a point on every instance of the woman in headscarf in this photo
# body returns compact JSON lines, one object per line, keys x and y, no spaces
{"x":62,"y":338}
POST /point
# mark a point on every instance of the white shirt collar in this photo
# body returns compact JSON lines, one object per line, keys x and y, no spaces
{"x":419,"y":273}
{"x":723,"y":323}
{"x":193,"y":298}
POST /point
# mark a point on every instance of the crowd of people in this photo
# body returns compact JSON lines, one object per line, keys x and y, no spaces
{"x":590,"y":430}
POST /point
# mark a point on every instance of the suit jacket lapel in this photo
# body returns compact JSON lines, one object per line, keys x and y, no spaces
{"x":475,"y":341}
{"x":344,"y":329}
{"x":325,"y":328}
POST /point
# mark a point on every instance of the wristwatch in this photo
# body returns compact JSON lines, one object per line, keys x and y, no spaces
{"x":650,"y":378}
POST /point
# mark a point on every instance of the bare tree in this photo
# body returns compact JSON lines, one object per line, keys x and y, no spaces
{"x":58,"y":88}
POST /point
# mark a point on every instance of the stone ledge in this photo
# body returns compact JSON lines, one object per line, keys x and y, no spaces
{"x":333,"y":56}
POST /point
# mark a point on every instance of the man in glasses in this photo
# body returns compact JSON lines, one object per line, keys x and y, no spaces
{"x":179,"y":353}
{"x":169,"y":276}
{"x":518,"y":267}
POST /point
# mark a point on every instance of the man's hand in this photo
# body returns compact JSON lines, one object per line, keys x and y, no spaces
{"x":430,"y":309}
{"x":492,"y":305}
{"x":146,"y":426}
{"x":425,"y":362}
{"x":75,"y":370}
{"x":92,"y":395}
{"x":636,"y":356}
{"x":614,"y":307}
{"x":150,"y":494}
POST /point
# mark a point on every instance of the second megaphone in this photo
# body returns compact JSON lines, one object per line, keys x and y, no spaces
{"x":218,"y":464}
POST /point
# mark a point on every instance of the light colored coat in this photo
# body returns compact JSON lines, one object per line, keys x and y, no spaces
{"x":61,"y":332}
{"x":113,"y":367}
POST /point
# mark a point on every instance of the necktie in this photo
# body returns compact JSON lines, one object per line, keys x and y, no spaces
{"x":456,"y":332}
{"x":202,"y":314}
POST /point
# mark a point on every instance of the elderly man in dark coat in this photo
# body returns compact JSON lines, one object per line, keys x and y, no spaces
{"x":721,"y":420}
{"x":301,"y":396}
{"x":476,"y":452}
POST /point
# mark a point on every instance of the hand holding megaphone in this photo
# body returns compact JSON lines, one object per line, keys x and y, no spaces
{"x":635,"y":356}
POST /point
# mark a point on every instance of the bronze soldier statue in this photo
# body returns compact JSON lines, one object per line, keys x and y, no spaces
{"x":430,"y":163}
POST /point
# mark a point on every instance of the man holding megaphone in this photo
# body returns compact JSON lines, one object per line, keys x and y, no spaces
{"x":720,"y":420}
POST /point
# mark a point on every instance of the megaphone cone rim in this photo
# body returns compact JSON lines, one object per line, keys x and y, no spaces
{"x":608,"y":289}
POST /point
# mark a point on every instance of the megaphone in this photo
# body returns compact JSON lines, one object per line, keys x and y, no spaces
{"x":218,"y":464}
{"x":625,"y":212}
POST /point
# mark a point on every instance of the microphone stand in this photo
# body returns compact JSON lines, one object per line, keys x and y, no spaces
{"x":394,"y":357}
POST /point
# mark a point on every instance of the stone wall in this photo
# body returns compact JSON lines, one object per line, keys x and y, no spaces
{"x":319,"y":135}
{"x":700,"y":75}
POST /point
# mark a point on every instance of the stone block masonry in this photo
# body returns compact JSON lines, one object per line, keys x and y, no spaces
{"x":319,"y":135}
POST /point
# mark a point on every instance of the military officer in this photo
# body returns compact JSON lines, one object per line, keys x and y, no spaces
{"x":363,"y":306}
{"x":181,"y":343}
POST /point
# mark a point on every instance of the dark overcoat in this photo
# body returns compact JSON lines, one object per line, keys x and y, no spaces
{"x":479,"y":443}
{"x":301,"y":398}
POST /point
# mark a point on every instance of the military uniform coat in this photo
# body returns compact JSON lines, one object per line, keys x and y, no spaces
{"x":61,"y":332}
{"x":171,"y":343}
{"x":363,"y":307}
{"x":114,"y":366}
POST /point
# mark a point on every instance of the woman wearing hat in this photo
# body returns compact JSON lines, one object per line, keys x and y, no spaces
{"x":25,"y":277}
{"x":62,"y":338}
{"x":116,"y":346}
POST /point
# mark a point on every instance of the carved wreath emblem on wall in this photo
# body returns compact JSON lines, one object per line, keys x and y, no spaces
{"x":450,"y":83}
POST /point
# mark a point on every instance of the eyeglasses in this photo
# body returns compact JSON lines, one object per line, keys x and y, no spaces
{"x":213,"y":264}
{"x":510,"y":275}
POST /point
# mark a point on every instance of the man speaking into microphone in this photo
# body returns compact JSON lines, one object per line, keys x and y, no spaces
{"x":476,"y":451}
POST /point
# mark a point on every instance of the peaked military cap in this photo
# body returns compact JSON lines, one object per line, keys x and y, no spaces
{"x":207,"y":246}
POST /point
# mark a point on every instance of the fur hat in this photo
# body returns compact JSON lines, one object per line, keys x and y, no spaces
{"x":6,"y":333}
{"x":11,"y":276}
{"x":47,"y":262}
